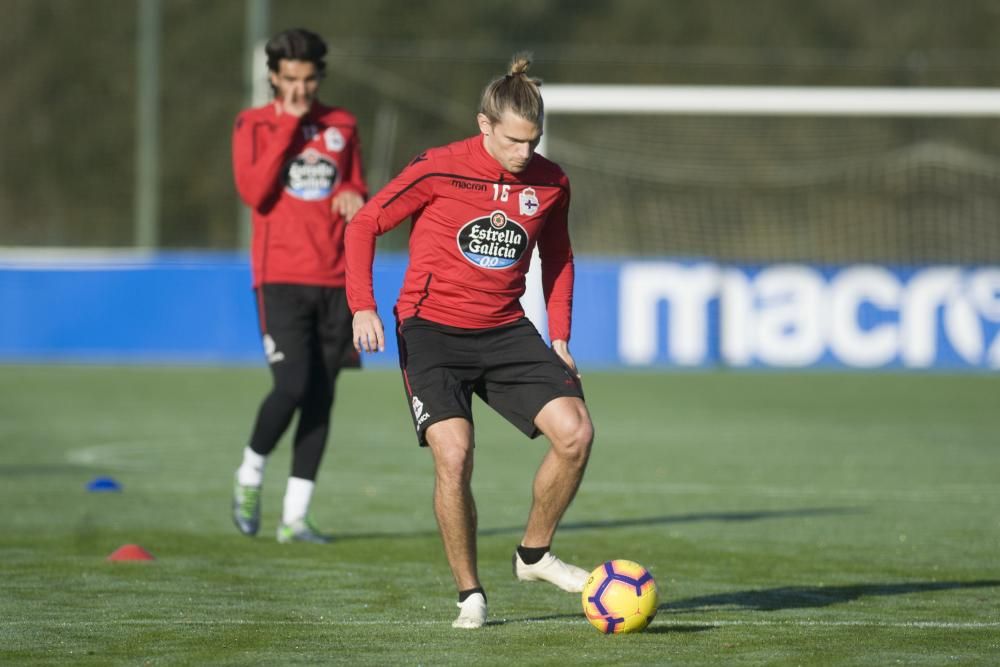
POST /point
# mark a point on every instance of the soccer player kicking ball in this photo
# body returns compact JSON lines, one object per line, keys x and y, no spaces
{"x":479,"y":207}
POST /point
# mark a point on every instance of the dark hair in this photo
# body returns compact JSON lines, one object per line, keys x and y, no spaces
{"x":516,"y":92}
{"x":296,"y":44}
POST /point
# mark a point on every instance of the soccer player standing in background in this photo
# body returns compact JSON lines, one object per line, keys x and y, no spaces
{"x":479,"y":208}
{"x":297,"y":165}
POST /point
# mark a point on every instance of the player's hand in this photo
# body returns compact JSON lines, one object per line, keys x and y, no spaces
{"x":347,"y":203}
{"x":561,"y":348}
{"x":295,"y":102}
{"x":369,"y":336}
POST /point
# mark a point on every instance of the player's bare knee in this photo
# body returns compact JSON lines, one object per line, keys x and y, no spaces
{"x":583,"y":438}
{"x":452,"y":460}
{"x":573,"y":437}
{"x":453,"y":469}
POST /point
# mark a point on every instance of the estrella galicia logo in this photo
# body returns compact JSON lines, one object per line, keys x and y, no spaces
{"x":310,"y":176}
{"x":493,"y":242}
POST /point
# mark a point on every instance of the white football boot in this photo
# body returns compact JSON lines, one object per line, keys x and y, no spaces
{"x":562,"y":575}
{"x":473,"y":612}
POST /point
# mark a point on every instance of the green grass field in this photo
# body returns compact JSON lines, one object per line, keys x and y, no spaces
{"x":807,"y":519}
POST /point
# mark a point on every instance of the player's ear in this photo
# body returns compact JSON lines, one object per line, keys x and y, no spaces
{"x":485,"y":126}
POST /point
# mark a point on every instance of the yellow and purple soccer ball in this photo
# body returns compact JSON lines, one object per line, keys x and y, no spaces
{"x":620,"y":596}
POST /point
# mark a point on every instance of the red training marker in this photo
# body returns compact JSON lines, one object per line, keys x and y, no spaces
{"x":130,"y":552}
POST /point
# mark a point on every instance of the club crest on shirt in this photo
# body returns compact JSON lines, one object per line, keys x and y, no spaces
{"x":310,"y":176}
{"x":527,"y":202}
{"x":493,"y":241}
{"x":333,"y":139}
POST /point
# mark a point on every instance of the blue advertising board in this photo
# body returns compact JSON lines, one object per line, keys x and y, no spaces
{"x":666,"y":313}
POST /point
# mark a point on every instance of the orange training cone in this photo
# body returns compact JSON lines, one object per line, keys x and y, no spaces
{"x":130,"y":552}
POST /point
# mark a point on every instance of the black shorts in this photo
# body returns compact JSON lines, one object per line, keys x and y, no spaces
{"x":306,"y":323}
{"x":509,"y":367}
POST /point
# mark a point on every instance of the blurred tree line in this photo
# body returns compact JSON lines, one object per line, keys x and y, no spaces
{"x":412,"y":70}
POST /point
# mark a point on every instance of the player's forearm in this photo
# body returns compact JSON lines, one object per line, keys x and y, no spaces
{"x":256,"y":187}
{"x":557,"y":287}
{"x":359,"y":256}
{"x":258,"y":179}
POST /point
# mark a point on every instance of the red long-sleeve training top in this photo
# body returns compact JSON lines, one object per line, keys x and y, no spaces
{"x":287,"y":171}
{"x":474,"y":228}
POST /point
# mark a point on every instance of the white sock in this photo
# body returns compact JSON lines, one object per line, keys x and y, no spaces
{"x":251,"y":471}
{"x":298,"y":495}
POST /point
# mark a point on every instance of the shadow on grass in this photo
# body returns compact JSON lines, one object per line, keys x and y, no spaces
{"x":773,"y":599}
{"x":802,"y":597}
{"x":698,"y":517}
{"x":653,"y":629}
